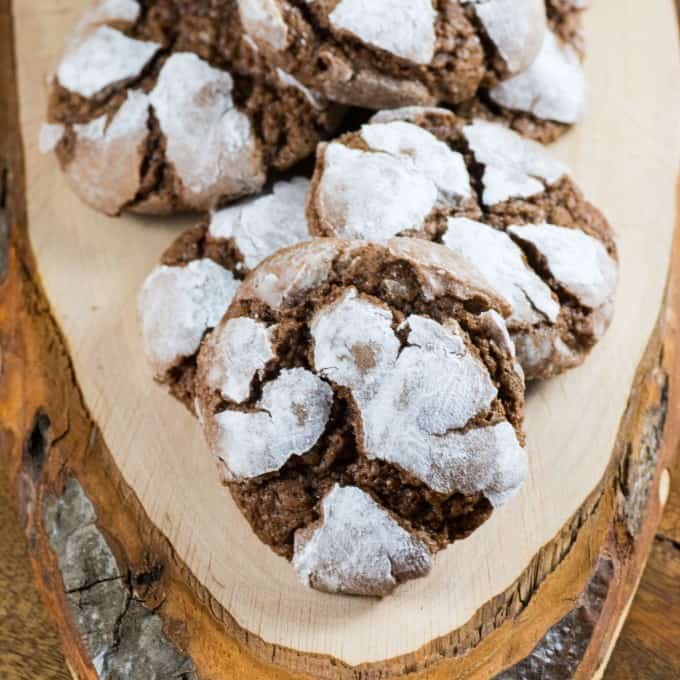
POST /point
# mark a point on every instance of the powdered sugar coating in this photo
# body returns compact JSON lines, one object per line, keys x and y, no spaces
{"x":262,"y":19}
{"x":514,"y":167}
{"x":372,"y":195}
{"x":353,"y":334}
{"x":439,"y":268}
{"x":103,"y":58}
{"x":486,"y":458}
{"x":391,"y":188}
{"x":106,"y":163}
{"x":358,"y":549}
{"x":485,"y":254}
{"x":516,"y":28}
{"x":428,"y":334}
{"x":288,"y":420}
{"x":354,"y":343}
{"x":553,"y":88}
{"x":579,"y":262}
{"x":261,"y":226}
{"x":432,"y":387}
{"x":110,"y":10}
{"x":433,"y":158}
{"x":406,"y":28}
{"x":50,"y":136}
{"x":177,"y":305}
{"x":291,"y":272}
{"x":209,"y":142}
{"x":239,"y":349}
{"x":502,"y":263}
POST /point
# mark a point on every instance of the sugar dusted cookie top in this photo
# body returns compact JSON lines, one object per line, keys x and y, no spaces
{"x":355,"y":384}
{"x":169,"y":110}
{"x":190,"y":291}
{"x":385,"y":53}
{"x":498,"y":200}
{"x":358,"y":547}
{"x":553,"y":88}
{"x":546,"y":98}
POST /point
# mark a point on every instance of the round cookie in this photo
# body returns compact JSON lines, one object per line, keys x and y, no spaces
{"x":389,"y":53}
{"x":546,"y":99}
{"x":498,"y":200}
{"x":365,"y":405}
{"x":163,"y":107}
{"x":190,"y":291}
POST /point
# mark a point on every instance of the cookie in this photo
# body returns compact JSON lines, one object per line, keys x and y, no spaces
{"x":389,"y":53}
{"x":365,"y":406}
{"x":189,"y":292}
{"x":545,"y":100}
{"x":162,"y":107}
{"x":498,"y":200}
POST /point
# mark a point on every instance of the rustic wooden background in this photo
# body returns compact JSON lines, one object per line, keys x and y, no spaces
{"x":648,"y":648}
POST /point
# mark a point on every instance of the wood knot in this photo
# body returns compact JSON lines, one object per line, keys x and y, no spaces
{"x":36,"y":445}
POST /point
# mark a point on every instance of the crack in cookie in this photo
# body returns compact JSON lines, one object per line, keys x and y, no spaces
{"x":164,"y":107}
{"x":497,"y":199}
{"x":382,"y":373}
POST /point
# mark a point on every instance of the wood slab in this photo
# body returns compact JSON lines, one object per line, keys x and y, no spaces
{"x":129,"y":527}
{"x":647,"y":647}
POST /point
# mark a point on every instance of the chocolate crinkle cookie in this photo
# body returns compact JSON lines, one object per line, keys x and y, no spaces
{"x":499,"y":201}
{"x":388,"y":53}
{"x":550,"y":95}
{"x":158,"y":107}
{"x":365,"y":406}
{"x":184,"y":298}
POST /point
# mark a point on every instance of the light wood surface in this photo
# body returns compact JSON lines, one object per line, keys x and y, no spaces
{"x":626,"y":158}
{"x":31,"y":650}
{"x":93,"y":266}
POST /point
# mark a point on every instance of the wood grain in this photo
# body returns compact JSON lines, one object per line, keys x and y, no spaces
{"x":30,"y":648}
{"x":158,"y":447}
{"x":583,"y":575}
{"x":638,"y":652}
{"x":670,"y":524}
{"x":648,"y":646}
{"x":29,"y":645}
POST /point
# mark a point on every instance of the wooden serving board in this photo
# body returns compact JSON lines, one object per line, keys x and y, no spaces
{"x":142,"y":555}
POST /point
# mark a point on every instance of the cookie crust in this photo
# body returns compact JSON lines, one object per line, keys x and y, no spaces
{"x":164,"y":107}
{"x":381,"y":54}
{"x":550,"y":96}
{"x":349,"y":333}
{"x":186,"y":295}
{"x":545,"y":237}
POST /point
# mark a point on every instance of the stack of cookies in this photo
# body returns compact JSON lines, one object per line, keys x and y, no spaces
{"x":386,"y":253}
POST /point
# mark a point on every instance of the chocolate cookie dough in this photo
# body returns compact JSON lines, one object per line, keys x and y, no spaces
{"x":546,"y":99}
{"x":189,"y":292}
{"x":162,"y":106}
{"x":365,"y":406}
{"x":389,"y":53}
{"x":499,"y":201}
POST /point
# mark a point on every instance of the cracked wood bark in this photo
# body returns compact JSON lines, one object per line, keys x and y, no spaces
{"x":124,"y":598}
